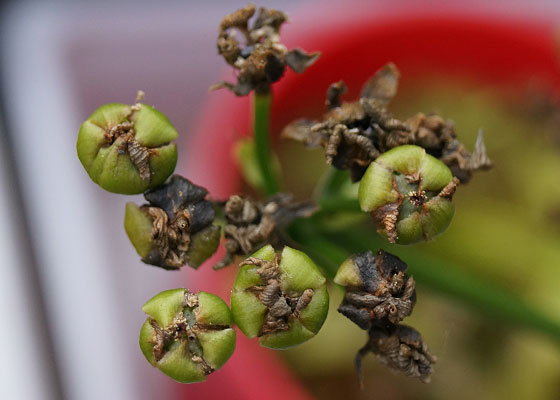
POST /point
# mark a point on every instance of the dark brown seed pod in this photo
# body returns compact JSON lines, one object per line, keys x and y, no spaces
{"x":355,"y":134}
{"x":251,"y":224}
{"x":379,"y":295}
{"x":175,"y":228}
{"x":400,"y":348}
{"x":378,"y":290}
{"x":262,"y":58}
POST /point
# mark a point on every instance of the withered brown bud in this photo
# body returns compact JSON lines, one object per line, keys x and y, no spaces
{"x":255,"y":51}
{"x":175,"y":228}
{"x":378,"y":290}
{"x":379,"y":295}
{"x":400,"y":348}
{"x":354,"y":134}
{"x":251,"y":224}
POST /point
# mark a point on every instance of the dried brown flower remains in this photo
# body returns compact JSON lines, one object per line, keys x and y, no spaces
{"x":251,"y":224}
{"x":385,"y":293}
{"x":256,"y":51}
{"x":178,"y":209}
{"x":401,"y":348}
{"x":379,"y":295}
{"x":355,"y":134}
{"x":138,"y":154}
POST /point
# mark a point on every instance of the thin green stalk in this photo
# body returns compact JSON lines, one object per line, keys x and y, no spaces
{"x":261,"y":114}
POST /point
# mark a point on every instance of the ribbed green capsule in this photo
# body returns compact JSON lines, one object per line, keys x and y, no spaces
{"x":127,"y":149}
{"x":408,"y":193}
{"x":187,"y":336}
{"x":280,"y":298}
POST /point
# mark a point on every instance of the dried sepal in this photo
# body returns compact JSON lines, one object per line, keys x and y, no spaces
{"x":383,"y":85}
{"x":127,"y":148}
{"x":354,"y":134}
{"x":408,"y":193}
{"x":280,"y":298}
{"x":400,"y":348}
{"x":251,"y":224}
{"x":334,"y":92}
{"x":299,"y":60}
{"x":175,"y":228}
{"x":255,"y":50}
{"x":187,"y":336}
{"x":378,"y":290}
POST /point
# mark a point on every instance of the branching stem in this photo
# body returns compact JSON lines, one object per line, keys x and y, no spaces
{"x":261,"y":115}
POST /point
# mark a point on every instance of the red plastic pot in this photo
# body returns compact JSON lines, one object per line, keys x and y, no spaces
{"x":480,"y":49}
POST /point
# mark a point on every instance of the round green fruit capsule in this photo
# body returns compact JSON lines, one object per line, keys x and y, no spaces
{"x":127,"y":149}
{"x":187,"y":336}
{"x":408,"y":193}
{"x":280,"y":298}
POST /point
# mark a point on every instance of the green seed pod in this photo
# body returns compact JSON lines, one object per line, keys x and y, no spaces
{"x":408,"y":193}
{"x":175,"y":228}
{"x":187,"y":336}
{"x":281,"y":299}
{"x":127,"y":149}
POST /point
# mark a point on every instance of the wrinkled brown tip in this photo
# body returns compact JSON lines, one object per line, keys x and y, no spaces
{"x":239,"y":18}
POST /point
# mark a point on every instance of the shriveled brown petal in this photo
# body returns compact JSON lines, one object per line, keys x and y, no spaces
{"x":251,"y":224}
{"x":300,"y":130}
{"x":239,"y":18}
{"x":386,"y":219}
{"x":270,"y":18}
{"x":383,"y":85}
{"x":401,"y":349}
{"x":479,"y":159}
{"x":299,"y":60}
{"x":239,"y":89}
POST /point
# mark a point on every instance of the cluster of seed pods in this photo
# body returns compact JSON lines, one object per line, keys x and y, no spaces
{"x":408,"y":172}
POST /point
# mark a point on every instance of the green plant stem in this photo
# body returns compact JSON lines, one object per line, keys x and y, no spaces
{"x":261,"y":118}
{"x":330,"y":183}
{"x":331,"y":248}
{"x":340,"y":205}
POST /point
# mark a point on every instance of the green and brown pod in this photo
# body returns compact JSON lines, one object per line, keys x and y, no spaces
{"x":127,"y":149}
{"x":408,"y":193}
{"x":175,"y":228}
{"x":187,"y":336}
{"x":280,"y":298}
{"x":379,"y":292}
